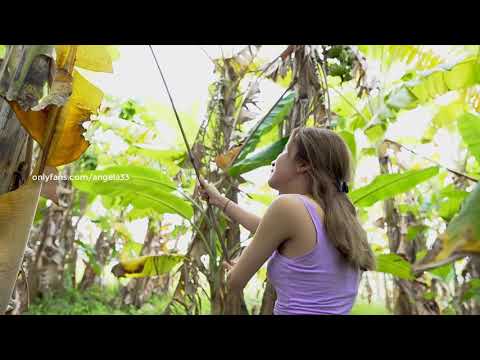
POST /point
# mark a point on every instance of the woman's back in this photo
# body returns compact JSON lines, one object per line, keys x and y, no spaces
{"x":319,"y":282}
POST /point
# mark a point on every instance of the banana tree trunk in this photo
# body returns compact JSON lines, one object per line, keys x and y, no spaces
{"x":56,"y":243}
{"x":408,"y":295}
{"x":103,"y":249}
{"x":13,"y":139}
{"x":23,"y":74}
{"x":234,"y":302}
{"x":472,"y":268}
{"x":308,"y":92}
{"x":471,"y":307}
{"x":188,"y":284}
{"x":138,"y":291}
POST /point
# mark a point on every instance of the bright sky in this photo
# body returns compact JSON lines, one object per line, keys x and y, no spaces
{"x":187,"y":69}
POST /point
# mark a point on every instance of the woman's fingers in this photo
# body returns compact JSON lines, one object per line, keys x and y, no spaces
{"x":203,"y":193}
{"x":203,"y":182}
{"x":228,"y":265}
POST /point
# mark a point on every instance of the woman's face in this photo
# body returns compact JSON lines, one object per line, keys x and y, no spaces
{"x":285,"y":167}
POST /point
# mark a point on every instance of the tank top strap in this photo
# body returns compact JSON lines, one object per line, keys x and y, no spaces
{"x":313,"y":214}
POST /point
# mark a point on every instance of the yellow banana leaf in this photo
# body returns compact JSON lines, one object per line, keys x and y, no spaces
{"x":90,"y":57}
{"x":146,"y":266}
{"x":17,"y":211}
{"x":68,"y":143}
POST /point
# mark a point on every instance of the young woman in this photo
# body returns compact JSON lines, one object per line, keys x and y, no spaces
{"x":310,"y":234}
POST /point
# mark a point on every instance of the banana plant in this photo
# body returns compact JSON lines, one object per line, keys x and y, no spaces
{"x":54,"y":121}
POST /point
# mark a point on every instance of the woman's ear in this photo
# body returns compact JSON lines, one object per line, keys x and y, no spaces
{"x":303,"y":167}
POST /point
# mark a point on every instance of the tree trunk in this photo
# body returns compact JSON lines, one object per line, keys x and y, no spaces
{"x":234,"y":302}
{"x":55,"y":243}
{"x":408,"y":296}
{"x":188,"y":283}
{"x":471,"y":271}
{"x":472,"y":268}
{"x":138,"y":291}
{"x":23,"y":74}
{"x":103,"y":249}
{"x":13,"y":139}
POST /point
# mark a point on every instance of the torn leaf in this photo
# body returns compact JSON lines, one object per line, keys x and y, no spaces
{"x":68,"y":143}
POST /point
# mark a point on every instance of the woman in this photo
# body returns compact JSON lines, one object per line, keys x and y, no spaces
{"x":310,"y":234}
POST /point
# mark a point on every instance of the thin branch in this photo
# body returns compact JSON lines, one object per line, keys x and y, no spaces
{"x":433,"y":161}
{"x":206,"y":54}
{"x":197,"y":173}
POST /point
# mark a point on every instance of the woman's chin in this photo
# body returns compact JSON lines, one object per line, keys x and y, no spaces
{"x":271,"y":183}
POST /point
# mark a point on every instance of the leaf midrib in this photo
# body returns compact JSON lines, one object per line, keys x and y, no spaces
{"x":381,"y":187}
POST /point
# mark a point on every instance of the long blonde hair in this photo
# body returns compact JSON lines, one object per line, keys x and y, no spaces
{"x":329,"y":172}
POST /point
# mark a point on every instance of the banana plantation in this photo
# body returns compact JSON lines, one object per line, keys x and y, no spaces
{"x":100,"y":208}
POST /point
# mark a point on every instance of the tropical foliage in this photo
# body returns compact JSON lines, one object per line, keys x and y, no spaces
{"x":409,"y":115}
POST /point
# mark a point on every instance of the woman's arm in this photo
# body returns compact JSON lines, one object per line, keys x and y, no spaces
{"x":248,"y":220}
{"x":275,"y":227}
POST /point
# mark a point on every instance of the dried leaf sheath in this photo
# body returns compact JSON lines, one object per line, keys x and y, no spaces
{"x":17,"y":210}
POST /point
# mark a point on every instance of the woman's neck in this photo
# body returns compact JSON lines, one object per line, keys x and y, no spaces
{"x":298,"y":186}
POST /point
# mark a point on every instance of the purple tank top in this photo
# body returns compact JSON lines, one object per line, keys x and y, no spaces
{"x":319,"y":282}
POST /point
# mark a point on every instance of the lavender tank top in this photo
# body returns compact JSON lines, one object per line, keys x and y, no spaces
{"x":319,"y":282}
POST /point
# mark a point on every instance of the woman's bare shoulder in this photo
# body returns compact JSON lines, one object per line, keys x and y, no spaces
{"x":293,"y":205}
{"x":286,"y":205}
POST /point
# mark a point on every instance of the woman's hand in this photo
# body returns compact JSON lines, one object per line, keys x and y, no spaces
{"x":228,"y":265}
{"x":228,"y":270}
{"x":211,"y":194}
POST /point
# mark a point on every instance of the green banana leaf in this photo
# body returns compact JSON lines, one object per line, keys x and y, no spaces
{"x":463,"y":232}
{"x":431,"y":84}
{"x":260,"y":158}
{"x":141,"y":187}
{"x":349,"y":139}
{"x":278,"y":114}
{"x":395,"y":265}
{"x":388,"y":185}
{"x":424,"y":87}
{"x":469,"y":127}
{"x":390,"y":54}
{"x":449,"y":201}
